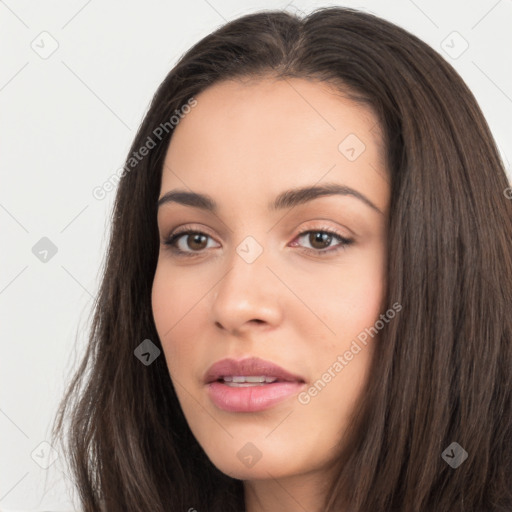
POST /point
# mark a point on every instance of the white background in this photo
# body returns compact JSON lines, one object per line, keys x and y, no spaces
{"x":67,"y":122}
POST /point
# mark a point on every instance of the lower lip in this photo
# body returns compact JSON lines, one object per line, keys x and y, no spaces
{"x":251,"y":398}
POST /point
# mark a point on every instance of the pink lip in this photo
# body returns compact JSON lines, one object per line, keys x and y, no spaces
{"x":250,"y":366}
{"x":250,"y":398}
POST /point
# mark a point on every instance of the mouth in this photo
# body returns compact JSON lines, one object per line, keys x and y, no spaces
{"x":249,"y":371}
{"x":239,"y":381}
{"x":250,"y":385}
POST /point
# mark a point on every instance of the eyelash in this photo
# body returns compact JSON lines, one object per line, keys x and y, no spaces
{"x":345,"y":242}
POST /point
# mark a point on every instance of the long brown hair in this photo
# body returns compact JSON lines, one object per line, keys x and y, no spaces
{"x":442,"y":369}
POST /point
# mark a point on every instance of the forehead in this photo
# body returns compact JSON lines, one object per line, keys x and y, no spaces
{"x":247,"y":138}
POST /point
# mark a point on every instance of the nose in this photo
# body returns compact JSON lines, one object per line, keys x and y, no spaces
{"x":247,"y":296}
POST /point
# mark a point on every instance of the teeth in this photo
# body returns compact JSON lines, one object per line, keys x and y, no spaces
{"x":248,"y":380}
{"x":244,"y":384}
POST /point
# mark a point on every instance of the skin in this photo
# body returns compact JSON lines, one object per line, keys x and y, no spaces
{"x":243,"y":144}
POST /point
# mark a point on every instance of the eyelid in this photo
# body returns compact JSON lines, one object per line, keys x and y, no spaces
{"x":344,"y":241}
{"x":309,"y":226}
{"x":187,"y":228}
{"x":333,"y":233}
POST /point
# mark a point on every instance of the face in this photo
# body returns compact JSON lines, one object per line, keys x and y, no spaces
{"x":291,"y":279}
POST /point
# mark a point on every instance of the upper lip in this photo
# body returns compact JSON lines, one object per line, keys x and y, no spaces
{"x":251,"y":366}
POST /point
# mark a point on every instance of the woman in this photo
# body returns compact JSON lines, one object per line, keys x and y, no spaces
{"x":306,"y":300}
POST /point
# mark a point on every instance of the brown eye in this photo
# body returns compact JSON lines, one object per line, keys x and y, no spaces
{"x":196,"y":241}
{"x":320,"y":239}
{"x":190,"y":243}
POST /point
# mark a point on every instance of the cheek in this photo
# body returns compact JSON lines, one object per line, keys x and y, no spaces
{"x":364,"y":297}
{"x":162,"y":303}
{"x":175,"y":295}
{"x":171,"y":310}
{"x":180,"y":312}
{"x":347,"y":298}
{"x":364,"y":286}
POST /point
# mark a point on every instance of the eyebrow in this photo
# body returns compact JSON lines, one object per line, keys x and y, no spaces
{"x":286,"y":199}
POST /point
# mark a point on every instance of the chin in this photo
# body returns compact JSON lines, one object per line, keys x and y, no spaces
{"x":238,"y":464}
{"x":260,"y":471}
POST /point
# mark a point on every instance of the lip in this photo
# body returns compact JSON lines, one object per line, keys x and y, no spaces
{"x":250,"y":366}
{"x":250,"y":398}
